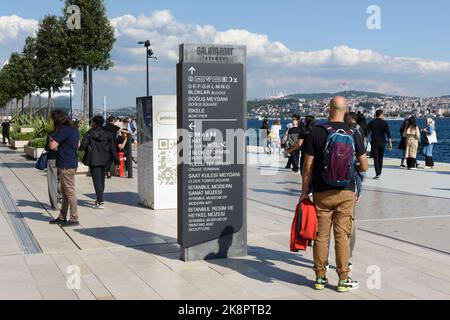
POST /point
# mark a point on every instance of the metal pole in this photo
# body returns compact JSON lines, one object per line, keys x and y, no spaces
{"x":70,"y":84}
{"x":91,"y":99}
{"x":104,"y":107}
{"x":148,"y":86}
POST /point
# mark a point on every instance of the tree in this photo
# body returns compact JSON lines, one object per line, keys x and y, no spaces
{"x":14,"y":77}
{"x":4,"y":96}
{"x":90,"y":46}
{"x":30,"y":65}
{"x":51,"y":56}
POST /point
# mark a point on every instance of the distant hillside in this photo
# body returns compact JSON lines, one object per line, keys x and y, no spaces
{"x":346,"y":94}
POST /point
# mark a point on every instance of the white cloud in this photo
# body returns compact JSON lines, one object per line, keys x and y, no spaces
{"x":167,"y":33}
{"x":272,"y":64}
{"x":12,"y":27}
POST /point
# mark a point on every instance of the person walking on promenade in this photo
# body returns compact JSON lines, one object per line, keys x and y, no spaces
{"x":125,"y":146}
{"x":402,"y":144}
{"x":431,"y":140}
{"x":412,"y":136}
{"x":379,"y":130}
{"x":99,"y":147}
{"x":292,"y":137}
{"x":308,"y":127}
{"x":113,"y":129}
{"x":264,"y":134}
{"x":334,"y":204}
{"x":54,"y":192}
{"x":351,"y":119}
{"x":361,"y":125}
{"x":128,"y":148}
{"x":295,"y":122}
{"x":6,"y":127}
{"x":352,"y":122}
{"x":274,"y":137}
{"x":66,"y":141}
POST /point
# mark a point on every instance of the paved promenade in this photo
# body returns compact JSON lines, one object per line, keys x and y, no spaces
{"x":129,"y":252}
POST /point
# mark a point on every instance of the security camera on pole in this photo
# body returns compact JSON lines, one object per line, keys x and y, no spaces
{"x":156,"y":151}
{"x":149,"y":55}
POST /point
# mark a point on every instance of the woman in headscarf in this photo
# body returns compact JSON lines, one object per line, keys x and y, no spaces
{"x":431,"y":140}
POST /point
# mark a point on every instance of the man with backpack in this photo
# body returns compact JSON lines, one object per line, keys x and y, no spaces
{"x":331,"y":150}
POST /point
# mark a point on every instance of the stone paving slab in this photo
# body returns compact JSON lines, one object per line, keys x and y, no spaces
{"x":129,"y":252}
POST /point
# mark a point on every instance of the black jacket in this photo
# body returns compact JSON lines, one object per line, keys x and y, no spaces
{"x":112,"y":128}
{"x":51,"y":154}
{"x":99,"y":147}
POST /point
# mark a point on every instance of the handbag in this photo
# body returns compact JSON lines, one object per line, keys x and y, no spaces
{"x":41,"y":163}
{"x":432,"y":138}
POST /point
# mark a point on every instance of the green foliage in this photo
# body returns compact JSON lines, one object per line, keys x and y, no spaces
{"x":18,"y":136}
{"x":38,"y":143}
{"x":51,"y":55}
{"x":46,"y":57}
{"x":83,"y":129}
{"x":42,"y":127}
{"x":92,"y":44}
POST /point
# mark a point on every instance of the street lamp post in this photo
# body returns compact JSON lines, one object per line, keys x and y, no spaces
{"x":149,"y":55}
{"x":70,"y":84}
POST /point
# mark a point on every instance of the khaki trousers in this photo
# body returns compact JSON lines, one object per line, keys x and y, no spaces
{"x":334,"y":208}
{"x":68,"y":194}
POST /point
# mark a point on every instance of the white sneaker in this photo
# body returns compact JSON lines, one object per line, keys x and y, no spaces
{"x":99,"y":206}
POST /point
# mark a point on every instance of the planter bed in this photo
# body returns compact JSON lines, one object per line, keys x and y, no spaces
{"x":33,"y":153}
{"x":19,"y":144}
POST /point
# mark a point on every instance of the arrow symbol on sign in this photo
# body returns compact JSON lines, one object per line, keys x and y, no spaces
{"x":192,"y":70}
{"x":192,"y":126}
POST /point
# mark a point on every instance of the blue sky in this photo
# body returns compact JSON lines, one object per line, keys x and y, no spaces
{"x":410,"y":29}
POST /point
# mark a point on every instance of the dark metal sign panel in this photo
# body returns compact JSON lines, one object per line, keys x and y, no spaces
{"x":211,"y":178}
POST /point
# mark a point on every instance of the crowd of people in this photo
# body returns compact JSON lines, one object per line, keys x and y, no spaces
{"x":376,"y":134}
{"x":332,"y":177}
{"x":332,"y":158}
{"x":101,"y":145}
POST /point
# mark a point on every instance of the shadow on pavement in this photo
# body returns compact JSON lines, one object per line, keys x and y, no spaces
{"x":37,"y":216}
{"x":128,"y":237}
{"x":287,"y":192}
{"x":130,"y":199}
{"x":264,"y":262}
{"x":17,"y":165}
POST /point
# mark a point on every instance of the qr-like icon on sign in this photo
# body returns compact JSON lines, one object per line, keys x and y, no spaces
{"x":167,"y":162}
